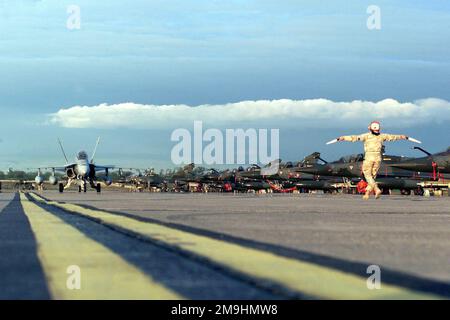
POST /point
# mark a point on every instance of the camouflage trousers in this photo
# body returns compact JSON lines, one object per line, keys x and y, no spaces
{"x":370,"y":170}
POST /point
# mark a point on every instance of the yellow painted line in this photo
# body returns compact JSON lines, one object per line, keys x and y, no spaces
{"x":304,"y":277}
{"x":103,"y":273}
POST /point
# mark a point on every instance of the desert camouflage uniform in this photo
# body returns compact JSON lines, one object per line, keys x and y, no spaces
{"x":373,"y":146}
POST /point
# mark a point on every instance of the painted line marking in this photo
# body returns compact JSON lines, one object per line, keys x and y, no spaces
{"x":104,"y":274}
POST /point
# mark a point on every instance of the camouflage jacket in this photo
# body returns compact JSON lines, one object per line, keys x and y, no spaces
{"x":373,"y":144}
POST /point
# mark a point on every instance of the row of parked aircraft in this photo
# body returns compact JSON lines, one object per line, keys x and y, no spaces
{"x":311,"y":173}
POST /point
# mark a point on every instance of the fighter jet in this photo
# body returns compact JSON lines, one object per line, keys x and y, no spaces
{"x":297,"y":174}
{"x":294,"y":171}
{"x":143,"y":179}
{"x":389,"y":177}
{"x":283,"y":177}
{"x":82,"y":171}
{"x":350,"y":167}
{"x":436,"y":164}
{"x":254,"y":171}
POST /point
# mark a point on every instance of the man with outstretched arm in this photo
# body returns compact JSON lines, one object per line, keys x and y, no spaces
{"x":373,"y":146}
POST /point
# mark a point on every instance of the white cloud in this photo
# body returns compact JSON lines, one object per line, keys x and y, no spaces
{"x":269,"y":113}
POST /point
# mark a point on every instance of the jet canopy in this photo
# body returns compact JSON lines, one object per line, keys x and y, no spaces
{"x":352,"y":158}
{"x":253,"y":167}
{"x":289,"y":164}
{"x":82,"y":155}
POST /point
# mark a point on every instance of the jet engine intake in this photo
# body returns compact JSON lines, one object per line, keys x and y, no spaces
{"x":70,"y":173}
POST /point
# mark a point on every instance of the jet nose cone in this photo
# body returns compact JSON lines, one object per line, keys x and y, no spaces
{"x":83,"y":170}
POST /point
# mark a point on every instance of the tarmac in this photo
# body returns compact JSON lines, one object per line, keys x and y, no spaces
{"x":222,"y":246}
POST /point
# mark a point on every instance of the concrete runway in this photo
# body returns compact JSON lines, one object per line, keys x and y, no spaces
{"x":224,"y":246}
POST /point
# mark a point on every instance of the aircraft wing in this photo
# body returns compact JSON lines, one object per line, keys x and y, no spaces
{"x":102,"y":168}
{"x":60,"y":169}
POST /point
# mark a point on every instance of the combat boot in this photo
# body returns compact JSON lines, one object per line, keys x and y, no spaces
{"x":366,"y":195}
{"x":378,"y":193}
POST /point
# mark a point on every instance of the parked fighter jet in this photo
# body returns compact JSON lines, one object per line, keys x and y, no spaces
{"x":293,"y":171}
{"x":438,"y":163}
{"x":82,"y":171}
{"x":144,"y":179}
{"x":306,"y":182}
{"x":186,"y":178}
{"x":350,"y":167}
{"x":255,"y":178}
{"x":269,"y":171}
{"x":286,"y":177}
{"x":388,"y":176}
{"x":155,"y":180}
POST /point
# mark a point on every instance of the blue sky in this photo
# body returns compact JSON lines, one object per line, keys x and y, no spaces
{"x":213,"y":52}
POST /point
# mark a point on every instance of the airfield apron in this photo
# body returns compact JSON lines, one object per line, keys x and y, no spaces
{"x":373,"y":146}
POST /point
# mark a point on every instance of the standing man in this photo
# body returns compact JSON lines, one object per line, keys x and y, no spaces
{"x":373,"y":146}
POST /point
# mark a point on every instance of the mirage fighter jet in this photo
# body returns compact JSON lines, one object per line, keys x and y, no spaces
{"x":436,"y":164}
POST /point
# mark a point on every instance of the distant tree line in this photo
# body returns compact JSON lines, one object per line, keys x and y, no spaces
{"x":23,"y":175}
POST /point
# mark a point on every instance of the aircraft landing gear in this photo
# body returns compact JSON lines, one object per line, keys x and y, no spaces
{"x":61,"y":188}
{"x":99,"y":188}
{"x":405,"y":192}
{"x":82,"y":188}
{"x":419,"y":191}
